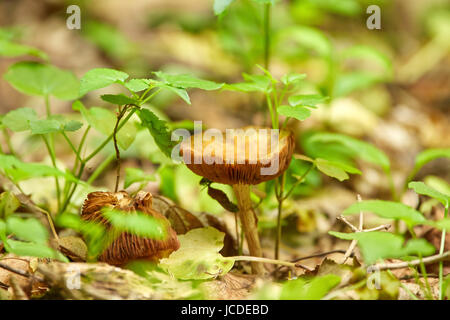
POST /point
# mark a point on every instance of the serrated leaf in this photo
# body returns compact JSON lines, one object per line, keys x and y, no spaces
{"x":186,"y":81}
{"x":34,"y":78}
{"x":422,"y":188}
{"x":308,"y":100}
{"x":158,"y":129}
{"x":133,"y":175}
{"x":19,"y":119}
{"x":299,"y":113}
{"x":383,"y":245}
{"x":99,"y":78}
{"x":119,"y":99}
{"x":198,"y":256}
{"x":389,"y":210}
{"x":309,"y":289}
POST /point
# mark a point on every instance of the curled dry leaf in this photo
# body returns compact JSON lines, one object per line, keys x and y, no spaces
{"x":125,"y":246}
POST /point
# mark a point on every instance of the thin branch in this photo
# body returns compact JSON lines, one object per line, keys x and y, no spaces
{"x":399,"y":265}
{"x":272,"y":261}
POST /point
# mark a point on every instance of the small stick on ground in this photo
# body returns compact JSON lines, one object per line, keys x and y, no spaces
{"x":353,"y":244}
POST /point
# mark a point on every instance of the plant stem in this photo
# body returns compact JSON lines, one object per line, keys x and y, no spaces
{"x":116,"y":147}
{"x":110,"y":137}
{"x":280,"y":199}
{"x":53,"y":159}
{"x":249,"y":224}
{"x":267,"y":11}
{"x":441,"y":263}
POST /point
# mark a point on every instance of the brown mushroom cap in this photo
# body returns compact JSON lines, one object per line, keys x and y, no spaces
{"x":125,"y":246}
{"x":229,"y":161}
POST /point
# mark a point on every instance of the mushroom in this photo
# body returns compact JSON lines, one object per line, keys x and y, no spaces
{"x":126,"y":246}
{"x":241,"y":158}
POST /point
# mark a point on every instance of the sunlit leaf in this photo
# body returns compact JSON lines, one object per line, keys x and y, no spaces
{"x":27,"y":229}
{"x":308,"y":100}
{"x":99,"y":78}
{"x":198,"y":256}
{"x":186,"y":81}
{"x":119,"y":99}
{"x":299,"y":112}
{"x":388,"y":210}
{"x":34,"y":78}
{"x":19,"y":119}
{"x":309,"y":289}
{"x":422,"y":188}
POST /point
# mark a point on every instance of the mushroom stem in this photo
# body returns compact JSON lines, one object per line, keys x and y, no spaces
{"x":249,"y":224}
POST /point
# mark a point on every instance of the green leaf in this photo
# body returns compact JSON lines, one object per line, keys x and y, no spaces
{"x":372,"y":56}
{"x":34,"y":250}
{"x":158,"y":129}
{"x":137,"y":85}
{"x":221,"y":5}
{"x":104,"y":121}
{"x":299,"y":113}
{"x":346,"y":83}
{"x":292,"y":78}
{"x":383,"y":245}
{"x":422,"y":188}
{"x":19,"y":170}
{"x":429,"y":155}
{"x":34,"y":78}
{"x":54,"y":123}
{"x":307,"y":100}
{"x":19,"y":119}
{"x":186,"y":81}
{"x":357,"y":148}
{"x":389,"y":210}
{"x":307,"y":38}
{"x":27,"y":229}
{"x":179,"y":92}
{"x":312,"y":289}
{"x":198,"y":256}
{"x":335,"y":169}
{"x":137,"y":223}
{"x":119,"y":99}
{"x":133,"y":175}
{"x":11,"y":49}
{"x":99,"y":78}
{"x":8,"y":204}
{"x":254,"y":83}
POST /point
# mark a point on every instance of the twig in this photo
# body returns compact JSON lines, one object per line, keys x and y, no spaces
{"x":354,"y":242}
{"x":116,"y":147}
{"x":406,"y":264}
{"x":272,"y":261}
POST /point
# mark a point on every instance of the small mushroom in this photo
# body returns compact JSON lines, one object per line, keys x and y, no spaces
{"x":126,"y":246}
{"x":241,"y":158}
